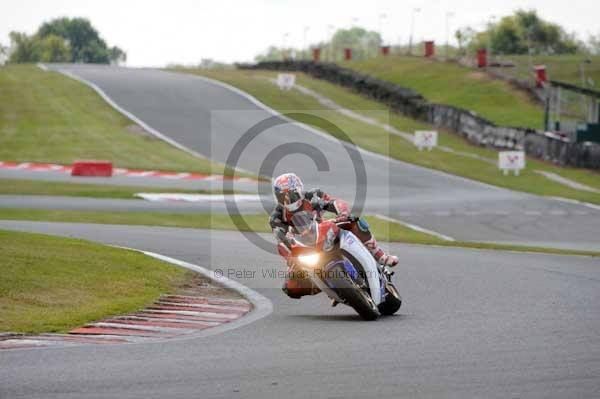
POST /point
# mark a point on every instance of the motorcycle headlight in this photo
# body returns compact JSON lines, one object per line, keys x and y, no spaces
{"x":309,"y":259}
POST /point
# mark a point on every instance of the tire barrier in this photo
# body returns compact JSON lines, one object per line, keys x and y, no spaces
{"x":466,"y":123}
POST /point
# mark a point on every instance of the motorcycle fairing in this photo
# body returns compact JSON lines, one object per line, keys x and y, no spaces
{"x":348,"y":268}
{"x":350,"y":243}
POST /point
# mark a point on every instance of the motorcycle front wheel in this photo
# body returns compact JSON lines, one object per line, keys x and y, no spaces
{"x":354,"y":296}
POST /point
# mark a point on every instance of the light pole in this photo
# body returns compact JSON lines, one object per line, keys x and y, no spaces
{"x":283,"y":40}
{"x":582,"y":71}
{"x":304,"y":49}
{"x":412,"y":28}
{"x":489,"y":49}
{"x":330,"y":30}
{"x":449,"y":14}
{"x":583,"y":81}
{"x":381,"y":18}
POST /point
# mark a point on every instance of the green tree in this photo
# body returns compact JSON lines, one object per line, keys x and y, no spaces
{"x":524,"y":30}
{"x":86,"y":44}
{"x":64,"y":40}
{"x":53,"y":48}
{"x":24,"y":48}
{"x":507,"y":37}
{"x":116,"y":55}
{"x":3,"y":54}
{"x":362,"y":42}
{"x":464,"y":36}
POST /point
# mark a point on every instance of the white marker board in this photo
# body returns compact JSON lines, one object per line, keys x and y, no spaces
{"x":286,"y":81}
{"x":426,"y":139}
{"x":511,"y":160}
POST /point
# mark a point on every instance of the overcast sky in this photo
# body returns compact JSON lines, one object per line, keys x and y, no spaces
{"x":155,"y":33}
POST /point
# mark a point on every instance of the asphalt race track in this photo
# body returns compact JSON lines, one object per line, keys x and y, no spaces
{"x":474,"y":324}
{"x":210,"y":118}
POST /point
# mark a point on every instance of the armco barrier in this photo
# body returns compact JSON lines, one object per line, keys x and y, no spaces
{"x":464,"y":122}
{"x":92,"y":168}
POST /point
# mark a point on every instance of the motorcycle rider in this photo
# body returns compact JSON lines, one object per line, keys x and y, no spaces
{"x":291,"y":198}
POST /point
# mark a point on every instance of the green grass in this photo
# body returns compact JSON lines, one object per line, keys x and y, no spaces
{"x":48,"y":117}
{"x":43,"y":187}
{"x":379,"y":140}
{"x":383,"y":229}
{"x":65,"y":283}
{"x":453,"y":84}
{"x":564,"y":68}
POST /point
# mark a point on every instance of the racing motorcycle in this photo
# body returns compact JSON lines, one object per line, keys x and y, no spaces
{"x":338,"y":263}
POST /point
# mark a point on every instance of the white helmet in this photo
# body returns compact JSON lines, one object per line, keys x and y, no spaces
{"x":289,"y":191}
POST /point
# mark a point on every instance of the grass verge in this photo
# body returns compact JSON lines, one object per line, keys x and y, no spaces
{"x":378,"y":140}
{"x":453,"y":84}
{"x":43,"y":187}
{"x":67,"y":282}
{"x":564,"y":67}
{"x":384,"y":230}
{"x":48,"y":117}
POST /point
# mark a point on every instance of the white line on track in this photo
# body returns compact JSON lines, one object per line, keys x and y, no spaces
{"x":331,"y":138}
{"x":576,"y":202}
{"x":416,"y":228}
{"x":262,"y":307}
{"x":165,"y":197}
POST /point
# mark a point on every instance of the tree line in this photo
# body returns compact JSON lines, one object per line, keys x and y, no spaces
{"x":519,"y":33}
{"x":63,"y":40}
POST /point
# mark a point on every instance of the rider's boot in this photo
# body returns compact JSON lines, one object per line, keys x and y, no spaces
{"x":379,"y":254}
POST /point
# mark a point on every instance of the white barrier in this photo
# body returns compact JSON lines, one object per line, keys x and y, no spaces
{"x":426,"y":139}
{"x":511,"y":160}
{"x":286,"y":81}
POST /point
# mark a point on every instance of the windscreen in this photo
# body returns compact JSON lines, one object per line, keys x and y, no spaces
{"x":305,"y":228}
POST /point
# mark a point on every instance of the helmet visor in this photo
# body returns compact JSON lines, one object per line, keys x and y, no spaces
{"x":280,"y":197}
{"x":294,"y":196}
{"x":292,"y":200}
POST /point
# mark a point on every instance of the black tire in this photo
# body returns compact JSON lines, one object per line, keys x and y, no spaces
{"x":393,"y":301}
{"x":354,"y":296}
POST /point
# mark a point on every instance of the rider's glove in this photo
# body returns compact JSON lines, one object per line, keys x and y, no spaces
{"x":342,"y":217}
{"x":317,"y":204}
